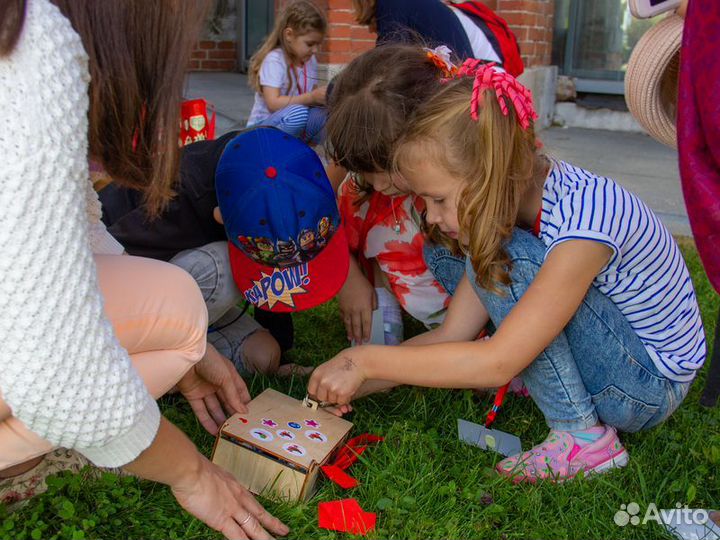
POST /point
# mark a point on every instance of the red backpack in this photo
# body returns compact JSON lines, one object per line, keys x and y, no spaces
{"x":497,"y":31}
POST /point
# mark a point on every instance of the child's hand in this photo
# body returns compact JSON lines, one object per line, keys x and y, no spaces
{"x":318,"y":95}
{"x":357,"y":300}
{"x":339,"y":411}
{"x":337,"y":380}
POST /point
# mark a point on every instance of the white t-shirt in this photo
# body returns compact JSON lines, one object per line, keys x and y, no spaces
{"x":482,"y":49}
{"x":646,"y":277}
{"x":274,"y":73}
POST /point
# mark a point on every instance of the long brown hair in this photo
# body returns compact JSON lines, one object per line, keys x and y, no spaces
{"x":371,"y":102}
{"x":138,"y":53}
{"x":365,"y":11}
{"x":370,"y":105}
{"x":495,"y":158}
{"x":12,"y":16}
{"x":301,"y":16}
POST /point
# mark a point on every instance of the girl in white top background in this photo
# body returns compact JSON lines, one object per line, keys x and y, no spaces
{"x":284,"y":74}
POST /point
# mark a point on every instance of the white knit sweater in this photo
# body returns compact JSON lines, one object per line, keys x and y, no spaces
{"x":62,"y":371}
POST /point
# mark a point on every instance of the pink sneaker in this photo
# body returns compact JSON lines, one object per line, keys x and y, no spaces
{"x":559,"y":458}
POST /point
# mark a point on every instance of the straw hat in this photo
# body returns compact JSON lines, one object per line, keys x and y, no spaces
{"x":651,"y":81}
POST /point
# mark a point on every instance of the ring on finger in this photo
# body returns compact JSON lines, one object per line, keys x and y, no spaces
{"x":244,"y":521}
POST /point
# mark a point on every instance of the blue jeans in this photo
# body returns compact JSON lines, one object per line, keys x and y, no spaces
{"x":597,"y":369}
{"x":447,"y":268}
{"x":209,"y":266}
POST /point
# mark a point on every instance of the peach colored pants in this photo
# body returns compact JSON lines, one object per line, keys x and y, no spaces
{"x":158,"y":315}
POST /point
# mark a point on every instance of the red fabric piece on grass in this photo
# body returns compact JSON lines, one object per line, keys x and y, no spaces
{"x":345,"y":457}
{"x":340,"y":477}
{"x":349,"y":453}
{"x":345,"y":516}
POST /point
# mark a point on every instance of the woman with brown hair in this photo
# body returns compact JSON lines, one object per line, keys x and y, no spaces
{"x":88,"y":337}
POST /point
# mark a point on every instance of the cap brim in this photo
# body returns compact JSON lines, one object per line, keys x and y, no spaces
{"x":297,"y":287}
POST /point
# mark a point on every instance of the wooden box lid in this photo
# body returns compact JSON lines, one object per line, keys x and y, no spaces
{"x":283,"y":427}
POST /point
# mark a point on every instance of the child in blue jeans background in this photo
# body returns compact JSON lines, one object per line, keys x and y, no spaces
{"x":596,"y":313}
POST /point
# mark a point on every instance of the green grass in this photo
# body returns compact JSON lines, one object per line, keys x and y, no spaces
{"x":422,"y":482}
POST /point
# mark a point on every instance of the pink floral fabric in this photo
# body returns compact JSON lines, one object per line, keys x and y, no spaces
{"x":699,"y":129}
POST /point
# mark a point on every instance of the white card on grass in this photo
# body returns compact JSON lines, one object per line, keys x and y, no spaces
{"x":498,"y":441}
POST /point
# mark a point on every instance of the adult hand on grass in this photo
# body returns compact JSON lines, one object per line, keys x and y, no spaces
{"x":208,"y":492}
{"x":214,"y":497}
{"x":213,"y":388}
{"x":337,"y":380}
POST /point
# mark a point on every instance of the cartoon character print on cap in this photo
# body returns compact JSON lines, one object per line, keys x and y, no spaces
{"x":248,"y":246}
{"x":325,"y":229}
{"x":308,"y":245}
{"x":266,"y":250}
{"x":287,"y":254}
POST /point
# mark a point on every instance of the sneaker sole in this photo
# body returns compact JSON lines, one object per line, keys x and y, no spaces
{"x":615,"y":462}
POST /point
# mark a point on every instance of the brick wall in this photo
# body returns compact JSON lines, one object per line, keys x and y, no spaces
{"x":346,"y":39}
{"x":531,"y":20}
{"x":532,"y":23}
{"x":216,"y":49}
{"x":211,"y":55}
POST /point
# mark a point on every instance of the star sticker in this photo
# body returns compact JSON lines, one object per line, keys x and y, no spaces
{"x":312,"y":423}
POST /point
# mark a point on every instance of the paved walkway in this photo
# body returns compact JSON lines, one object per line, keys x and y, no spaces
{"x":229,"y":92}
{"x":636,"y":161}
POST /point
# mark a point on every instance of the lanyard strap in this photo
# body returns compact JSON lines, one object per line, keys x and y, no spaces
{"x":304,"y":88}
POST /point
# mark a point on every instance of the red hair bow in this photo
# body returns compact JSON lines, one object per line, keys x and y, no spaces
{"x":503,"y":84}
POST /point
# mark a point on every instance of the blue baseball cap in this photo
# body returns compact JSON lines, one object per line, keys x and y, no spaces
{"x":288,"y":249}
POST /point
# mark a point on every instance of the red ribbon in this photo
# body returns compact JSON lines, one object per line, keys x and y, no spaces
{"x":345,"y":457}
{"x":503,"y":84}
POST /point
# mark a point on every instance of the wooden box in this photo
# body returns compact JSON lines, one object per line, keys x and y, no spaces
{"x":278,"y":447}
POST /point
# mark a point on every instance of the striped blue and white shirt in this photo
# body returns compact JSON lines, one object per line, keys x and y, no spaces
{"x":646,"y":276}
